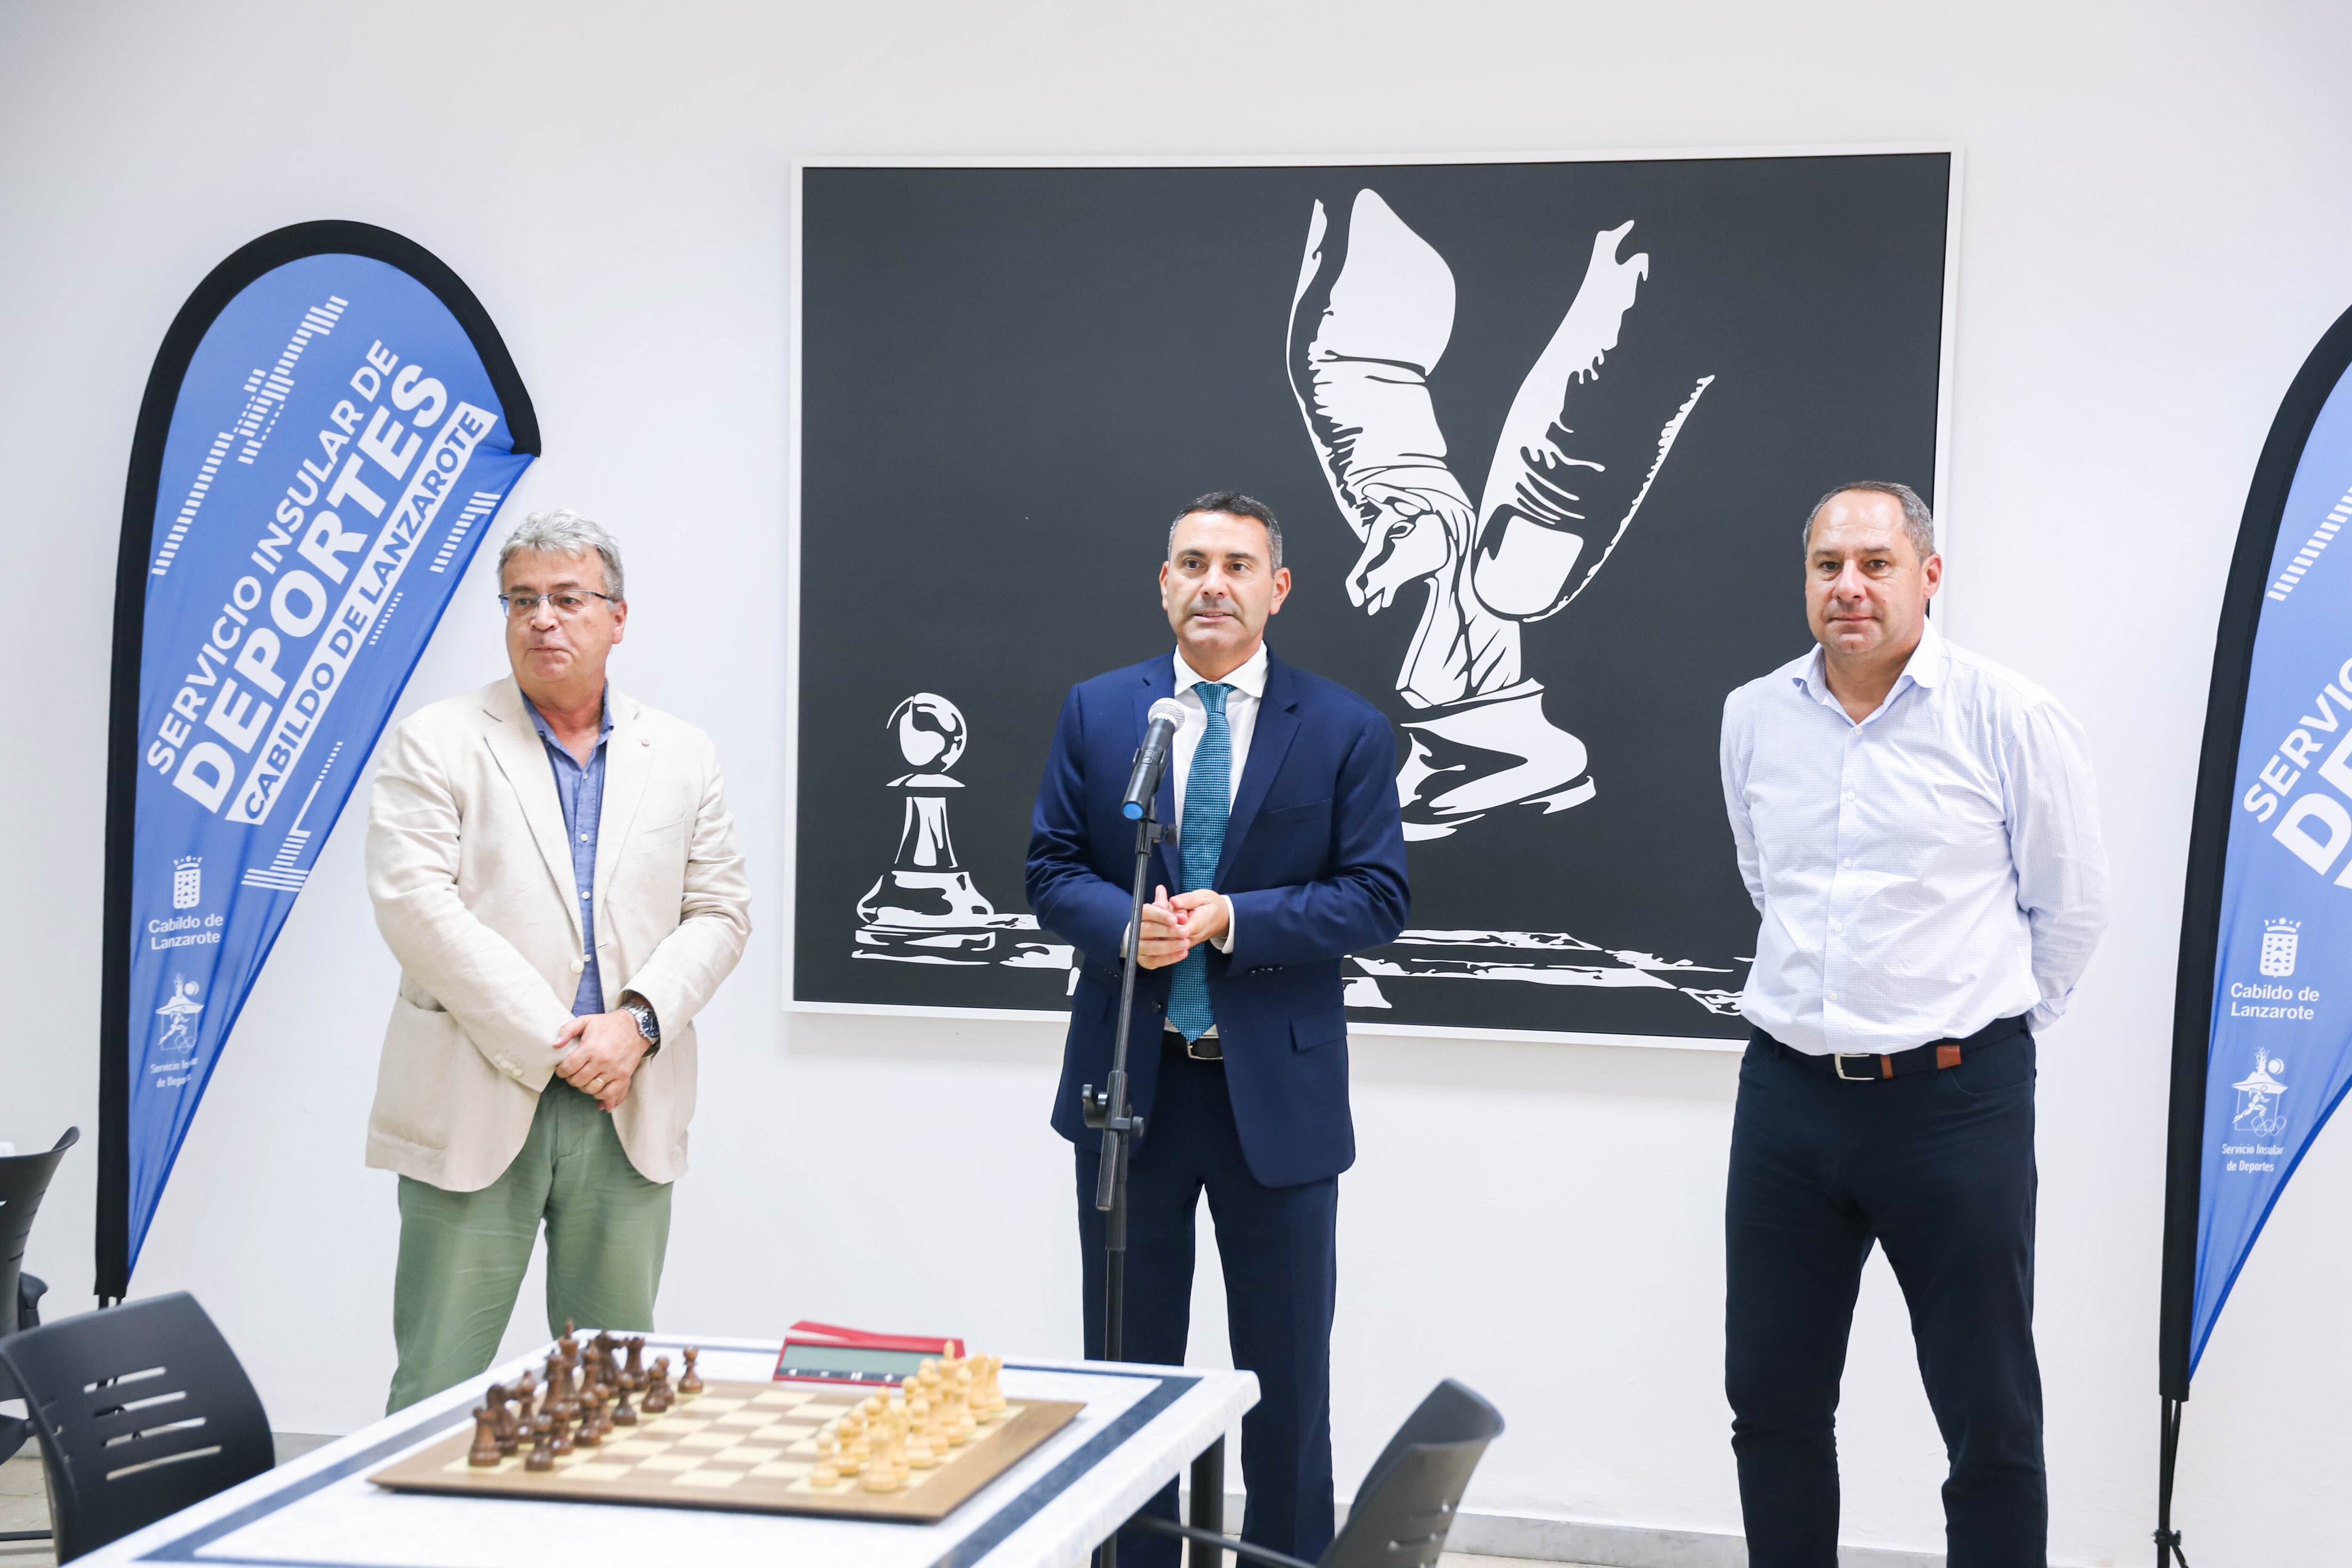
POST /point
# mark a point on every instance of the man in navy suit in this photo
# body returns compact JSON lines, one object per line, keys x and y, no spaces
{"x":1290,"y":856}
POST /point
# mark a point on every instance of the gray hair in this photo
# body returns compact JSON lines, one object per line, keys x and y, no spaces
{"x":1919,"y":523}
{"x":1233,"y":503}
{"x":562,"y":532}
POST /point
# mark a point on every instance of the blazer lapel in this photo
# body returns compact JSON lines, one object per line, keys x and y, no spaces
{"x":522,"y":756}
{"x":1158,"y":681}
{"x":1278,"y":723}
{"x":628,"y":766}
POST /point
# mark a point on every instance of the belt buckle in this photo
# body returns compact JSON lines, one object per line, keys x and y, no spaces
{"x":1215,"y":1053}
{"x":1839,"y":1059}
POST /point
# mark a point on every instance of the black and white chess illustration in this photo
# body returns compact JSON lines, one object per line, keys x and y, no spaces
{"x":926,"y":909}
{"x":1535,"y":431}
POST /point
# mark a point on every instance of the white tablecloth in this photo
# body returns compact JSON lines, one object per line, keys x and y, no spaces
{"x":1142,"y":1425}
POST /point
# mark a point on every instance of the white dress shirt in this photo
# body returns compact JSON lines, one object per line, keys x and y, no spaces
{"x":1248,"y":685}
{"x":1248,"y":689}
{"x":1920,"y":873}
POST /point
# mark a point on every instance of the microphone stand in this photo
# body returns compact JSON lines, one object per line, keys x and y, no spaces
{"x":1108,"y":1110}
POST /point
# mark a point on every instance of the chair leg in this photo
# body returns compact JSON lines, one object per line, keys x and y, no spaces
{"x":13,"y":1430}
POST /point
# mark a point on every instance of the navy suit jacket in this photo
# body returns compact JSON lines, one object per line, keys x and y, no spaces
{"x":1314,"y":863}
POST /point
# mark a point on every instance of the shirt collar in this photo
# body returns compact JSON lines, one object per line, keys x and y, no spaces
{"x":538,"y":721}
{"x":1249,"y":680}
{"x":1925,"y":667}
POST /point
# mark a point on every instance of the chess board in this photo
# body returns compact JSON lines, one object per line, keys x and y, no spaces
{"x":741,"y":1447}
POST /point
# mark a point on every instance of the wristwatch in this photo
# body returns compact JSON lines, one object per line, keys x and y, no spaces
{"x":647,"y":1025}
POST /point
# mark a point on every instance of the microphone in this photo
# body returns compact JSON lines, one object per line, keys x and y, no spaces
{"x":1152,"y":758}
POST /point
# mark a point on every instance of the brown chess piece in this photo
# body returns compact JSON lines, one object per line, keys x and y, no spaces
{"x":543,"y":1453}
{"x":561,"y":1429}
{"x":591,"y":1420}
{"x":485,"y":1453}
{"x":633,"y":1377}
{"x":493,"y":1400}
{"x":691,"y":1383}
{"x":624,"y":1413}
{"x":657,"y":1395}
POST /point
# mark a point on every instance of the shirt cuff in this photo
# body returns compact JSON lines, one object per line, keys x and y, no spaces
{"x":1225,"y":944}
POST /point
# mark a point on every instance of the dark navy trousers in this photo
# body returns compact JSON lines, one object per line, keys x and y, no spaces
{"x":1279,"y":1247}
{"x":1937,"y":1167}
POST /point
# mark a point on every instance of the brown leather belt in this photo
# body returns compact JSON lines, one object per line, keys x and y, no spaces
{"x":1871,"y":1067}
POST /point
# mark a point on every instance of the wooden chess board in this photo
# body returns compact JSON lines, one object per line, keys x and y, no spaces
{"x":743,"y":1447}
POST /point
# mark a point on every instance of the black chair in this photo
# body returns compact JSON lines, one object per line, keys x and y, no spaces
{"x":23,"y":1178}
{"x":143,"y":1409}
{"x":1406,"y":1504}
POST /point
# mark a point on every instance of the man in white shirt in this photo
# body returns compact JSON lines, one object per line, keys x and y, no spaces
{"x":1918,"y":829}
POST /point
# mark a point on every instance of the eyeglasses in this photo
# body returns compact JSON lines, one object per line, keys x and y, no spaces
{"x":568,"y":603}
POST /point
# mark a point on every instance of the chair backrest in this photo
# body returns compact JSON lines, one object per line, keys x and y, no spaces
{"x":1407,"y":1502}
{"x":142,"y":1410}
{"x":22,"y":1179}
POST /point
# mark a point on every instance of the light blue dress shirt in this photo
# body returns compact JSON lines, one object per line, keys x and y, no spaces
{"x":579,"y":790}
{"x":1922,"y":873}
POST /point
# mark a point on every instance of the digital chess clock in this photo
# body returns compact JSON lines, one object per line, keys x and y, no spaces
{"x":826,"y":1352}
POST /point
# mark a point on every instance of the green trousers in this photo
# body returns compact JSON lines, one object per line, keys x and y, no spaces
{"x":463,"y":1254}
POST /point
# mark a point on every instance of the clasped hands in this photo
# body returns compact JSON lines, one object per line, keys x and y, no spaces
{"x":1174,"y":926}
{"x":601,"y":1053}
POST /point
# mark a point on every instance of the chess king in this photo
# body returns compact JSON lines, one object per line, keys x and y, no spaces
{"x":1291,"y":855}
{"x":554,"y":866}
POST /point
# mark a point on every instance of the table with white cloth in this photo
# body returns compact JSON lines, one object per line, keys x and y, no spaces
{"x":1141,"y":1427}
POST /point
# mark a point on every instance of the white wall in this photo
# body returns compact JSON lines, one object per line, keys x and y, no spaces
{"x":2154,"y":227}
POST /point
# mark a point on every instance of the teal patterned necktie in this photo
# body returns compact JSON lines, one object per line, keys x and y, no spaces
{"x":1208,"y":800}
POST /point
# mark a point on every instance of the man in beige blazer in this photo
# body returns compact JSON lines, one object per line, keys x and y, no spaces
{"x":555,"y":867}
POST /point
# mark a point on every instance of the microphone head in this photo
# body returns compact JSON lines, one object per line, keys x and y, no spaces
{"x":1169,"y":709}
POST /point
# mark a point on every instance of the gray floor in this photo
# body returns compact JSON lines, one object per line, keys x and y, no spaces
{"x":24,"y":1505}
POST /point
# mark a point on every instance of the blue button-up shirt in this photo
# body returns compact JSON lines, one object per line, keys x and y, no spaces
{"x":580,"y":792}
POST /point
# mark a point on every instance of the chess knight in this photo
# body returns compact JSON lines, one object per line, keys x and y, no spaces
{"x":1372,"y":317}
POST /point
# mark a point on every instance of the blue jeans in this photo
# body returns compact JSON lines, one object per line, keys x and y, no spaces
{"x":1937,"y":1167}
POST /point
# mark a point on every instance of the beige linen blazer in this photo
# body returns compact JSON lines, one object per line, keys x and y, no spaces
{"x":471,"y":880}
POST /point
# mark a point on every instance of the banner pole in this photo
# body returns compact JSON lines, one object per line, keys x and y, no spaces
{"x":2177,"y":1342}
{"x":2168,"y":1539}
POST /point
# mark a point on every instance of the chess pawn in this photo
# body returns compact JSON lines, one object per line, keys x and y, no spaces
{"x":543,"y":1453}
{"x":886,"y":1472}
{"x":920,"y":1455}
{"x":592,"y":1419}
{"x":485,"y":1453}
{"x":691,"y":1383}
{"x":624,"y":1413}
{"x":561,"y":1429}
{"x":657,"y":1387}
{"x":855,"y":1453}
